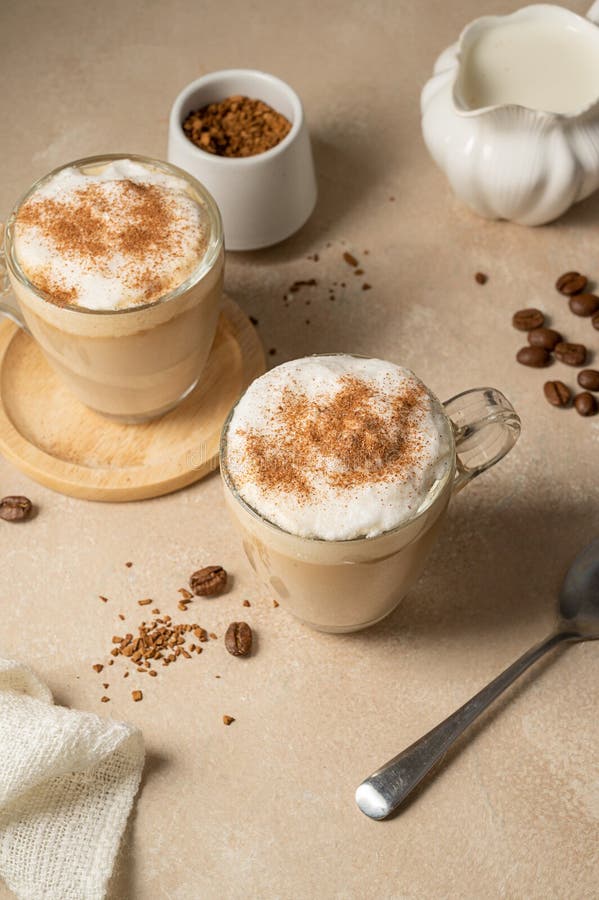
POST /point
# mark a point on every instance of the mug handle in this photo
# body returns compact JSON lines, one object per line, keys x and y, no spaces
{"x":8,"y":303}
{"x":486,"y":427}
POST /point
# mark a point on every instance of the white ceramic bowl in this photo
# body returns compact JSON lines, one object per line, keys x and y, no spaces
{"x":264,"y":198}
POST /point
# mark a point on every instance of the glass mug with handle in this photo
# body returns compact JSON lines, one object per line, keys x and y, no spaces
{"x":138,"y":360}
{"x":346,"y":585}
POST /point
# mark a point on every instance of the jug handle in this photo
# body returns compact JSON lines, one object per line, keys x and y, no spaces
{"x":593,"y":13}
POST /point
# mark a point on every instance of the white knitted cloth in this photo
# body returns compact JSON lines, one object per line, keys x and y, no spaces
{"x":67,"y":783}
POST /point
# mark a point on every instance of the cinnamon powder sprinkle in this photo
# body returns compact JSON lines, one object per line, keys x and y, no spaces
{"x":138,"y":222}
{"x":345,"y":438}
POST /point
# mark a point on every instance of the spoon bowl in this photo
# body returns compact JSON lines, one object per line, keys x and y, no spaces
{"x":579,"y":595}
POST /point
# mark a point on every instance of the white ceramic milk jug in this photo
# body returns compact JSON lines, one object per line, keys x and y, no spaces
{"x":511,"y":113}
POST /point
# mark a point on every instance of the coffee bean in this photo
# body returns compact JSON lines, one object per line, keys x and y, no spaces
{"x":537,"y":357}
{"x":589,"y":379}
{"x":571,"y":354}
{"x":238,"y":639}
{"x":584,"y":304}
{"x":585,"y":404}
{"x":527,"y":319}
{"x":556,"y":393}
{"x":208,"y":581}
{"x":15,"y":509}
{"x":595,"y":321}
{"x":544,"y":337}
{"x":571,"y":283}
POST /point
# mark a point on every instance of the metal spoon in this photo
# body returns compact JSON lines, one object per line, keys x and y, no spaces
{"x":578,"y":620}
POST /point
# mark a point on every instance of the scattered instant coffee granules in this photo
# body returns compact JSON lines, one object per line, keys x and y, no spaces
{"x":160,"y":640}
{"x":237,"y":126}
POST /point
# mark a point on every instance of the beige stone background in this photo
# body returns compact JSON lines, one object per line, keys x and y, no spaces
{"x":265,"y":807}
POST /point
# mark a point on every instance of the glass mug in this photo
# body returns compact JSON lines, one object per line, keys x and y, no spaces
{"x":135,"y":363}
{"x":341,"y":586}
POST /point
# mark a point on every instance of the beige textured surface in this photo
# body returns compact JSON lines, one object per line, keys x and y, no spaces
{"x":265,"y":807}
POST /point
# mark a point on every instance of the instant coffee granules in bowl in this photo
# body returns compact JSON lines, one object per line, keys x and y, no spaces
{"x":243,"y":134}
{"x":237,"y":126}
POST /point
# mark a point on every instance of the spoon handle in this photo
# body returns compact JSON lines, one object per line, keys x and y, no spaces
{"x":381,"y":793}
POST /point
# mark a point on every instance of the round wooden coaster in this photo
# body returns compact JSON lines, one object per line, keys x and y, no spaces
{"x":57,"y":441}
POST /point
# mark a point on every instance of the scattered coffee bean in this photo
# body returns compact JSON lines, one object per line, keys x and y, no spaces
{"x":527,"y":319}
{"x":570,"y":354}
{"x":238,"y":639}
{"x":556,"y":393}
{"x":544,"y":337}
{"x":585,"y":404}
{"x":571,"y":283}
{"x":208,"y":581}
{"x":481,"y":278}
{"x":589,"y":379}
{"x":536,"y":357}
{"x":595,"y":321}
{"x":15,"y":509}
{"x":584,"y":304}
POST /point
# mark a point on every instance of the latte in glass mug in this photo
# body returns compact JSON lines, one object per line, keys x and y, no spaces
{"x":116,"y":264}
{"x":338,"y":470}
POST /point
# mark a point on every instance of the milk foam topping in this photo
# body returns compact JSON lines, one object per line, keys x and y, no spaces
{"x":338,"y":447}
{"x":120,"y":236}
